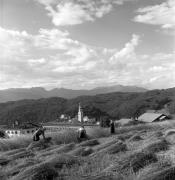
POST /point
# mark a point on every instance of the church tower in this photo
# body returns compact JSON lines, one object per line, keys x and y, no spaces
{"x":80,"y":114}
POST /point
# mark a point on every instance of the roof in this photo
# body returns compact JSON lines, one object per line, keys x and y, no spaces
{"x":150,"y":117}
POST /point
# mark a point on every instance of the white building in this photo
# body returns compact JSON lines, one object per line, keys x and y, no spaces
{"x":19,"y":132}
{"x":80,"y":114}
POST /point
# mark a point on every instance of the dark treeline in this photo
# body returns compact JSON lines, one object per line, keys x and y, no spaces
{"x":114,"y":105}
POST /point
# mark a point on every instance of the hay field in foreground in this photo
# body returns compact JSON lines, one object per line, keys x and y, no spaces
{"x":139,"y":152}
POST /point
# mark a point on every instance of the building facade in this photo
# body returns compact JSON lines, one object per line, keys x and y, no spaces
{"x":80,"y":113}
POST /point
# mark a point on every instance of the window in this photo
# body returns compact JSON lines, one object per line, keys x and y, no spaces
{"x":28,"y":132}
{"x":16,"y":132}
{"x":8,"y":132}
{"x":12,"y":132}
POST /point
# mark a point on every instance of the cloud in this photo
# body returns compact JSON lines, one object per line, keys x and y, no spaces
{"x":162,"y":15}
{"x":52,"y":59}
{"x":73,"y":12}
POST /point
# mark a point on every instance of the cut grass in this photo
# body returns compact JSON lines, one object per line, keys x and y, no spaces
{"x":160,"y":145}
{"x":58,"y":161}
{"x":92,"y":142}
{"x":37,"y":172}
{"x":165,"y":174}
{"x":136,"y":161}
{"x":81,"y":151}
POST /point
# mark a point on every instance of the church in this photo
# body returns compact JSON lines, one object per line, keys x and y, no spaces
{"x":80,"y":113}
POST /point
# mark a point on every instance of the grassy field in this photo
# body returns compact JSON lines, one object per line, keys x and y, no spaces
{"x":140,"y":152}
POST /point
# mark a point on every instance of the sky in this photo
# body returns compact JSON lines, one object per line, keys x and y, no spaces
{"x":83,"y":44}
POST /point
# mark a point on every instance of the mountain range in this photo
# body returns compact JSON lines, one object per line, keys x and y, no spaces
{"x":15,"y":94}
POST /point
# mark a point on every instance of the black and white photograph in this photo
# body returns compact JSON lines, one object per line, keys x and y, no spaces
{"x":87,"y":89}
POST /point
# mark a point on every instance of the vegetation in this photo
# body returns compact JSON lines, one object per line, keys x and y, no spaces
{"x":133,"y":153}
{"x":104,"y":106}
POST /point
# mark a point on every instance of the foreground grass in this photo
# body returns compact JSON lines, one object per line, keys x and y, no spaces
{"x":138,"y":152}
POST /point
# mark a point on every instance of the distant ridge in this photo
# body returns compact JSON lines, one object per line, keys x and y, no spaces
{"x":15,"y":94}
{"x":113,"y":105}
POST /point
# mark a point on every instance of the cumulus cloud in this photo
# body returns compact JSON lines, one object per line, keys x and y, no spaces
{"x":51,"y":58}
{"x":162,"y":14}
{"x":73,"y":12}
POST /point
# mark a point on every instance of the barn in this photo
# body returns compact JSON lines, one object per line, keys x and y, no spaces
{"x":152,"y":117}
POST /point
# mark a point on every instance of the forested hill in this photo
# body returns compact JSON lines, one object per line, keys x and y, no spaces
{"x":115,"y":105}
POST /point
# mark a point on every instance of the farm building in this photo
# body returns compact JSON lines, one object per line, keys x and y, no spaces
{"x":17,"y":131}
{"x":152,"y":117}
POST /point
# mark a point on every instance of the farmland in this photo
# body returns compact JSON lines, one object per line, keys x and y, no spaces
{"x":137,"y":152}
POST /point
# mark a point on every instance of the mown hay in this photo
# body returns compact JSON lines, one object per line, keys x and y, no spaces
{"x":104,"y":177}
{"x":169,"y":132}
{"x":41,"y":144}
{"x":124,"y":137}
{"x":37,"y":172}
{"x":22,"y":154}
{"x":21,"y":165}
{"x":165,"y":174}
{"x":92,"y":142}
{"x":136,"y":161}
{"x":104,"y":145}
{"x":115,"y":148}
{"x":61,"y":149}
{"x":58,"y":161}
{"x":160,"y":145}
{"x":12,"y":152}
{"x":135,"y":138}
{"x":4,"y":161}
{"x":81,"y":151}
{"x":154,"y":167}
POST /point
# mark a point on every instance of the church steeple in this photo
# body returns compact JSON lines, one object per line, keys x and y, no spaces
{"x":80,"y":114}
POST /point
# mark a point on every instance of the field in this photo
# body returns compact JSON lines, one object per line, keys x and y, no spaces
{"x":140,"y":152}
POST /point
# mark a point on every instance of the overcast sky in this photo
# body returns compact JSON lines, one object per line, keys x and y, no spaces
{"x":82,"y":44}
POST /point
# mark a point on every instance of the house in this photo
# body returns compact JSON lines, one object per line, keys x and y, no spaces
{"x":27,"y":129}
{"x":152,"y":117}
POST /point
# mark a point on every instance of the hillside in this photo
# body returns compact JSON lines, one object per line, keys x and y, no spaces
{"x":138,"y":152}
{"x":114,"y":105}
{"x":38,"y":92}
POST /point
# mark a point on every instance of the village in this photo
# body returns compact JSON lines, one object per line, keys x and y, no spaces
{"x":65,"y":122}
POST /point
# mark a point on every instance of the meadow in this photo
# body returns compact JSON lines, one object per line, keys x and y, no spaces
{"x":134,"y":152}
